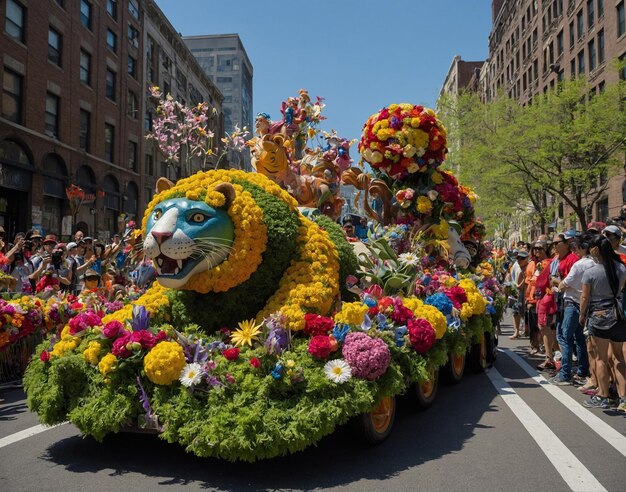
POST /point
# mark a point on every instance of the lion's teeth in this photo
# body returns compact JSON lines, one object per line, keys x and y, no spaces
{"x":180,"y":264}
{"x":160,"y":261}
{"x":176,"y":271}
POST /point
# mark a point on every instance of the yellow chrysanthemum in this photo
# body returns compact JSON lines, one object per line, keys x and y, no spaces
{"x":164,"y":363}
{"x":107,"y":364}
{"x":424,"y":205}
{"x":248,"y":332}
{"x":92,"y":352}
{"x":352,"y":313}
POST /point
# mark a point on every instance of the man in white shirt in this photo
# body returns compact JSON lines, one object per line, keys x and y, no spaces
{"x":571,"y":288}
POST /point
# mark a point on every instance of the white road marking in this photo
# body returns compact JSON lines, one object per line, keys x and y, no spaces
{"x":26,"y":433}
{"x":595,"y":423}
{"x":575,"y":474}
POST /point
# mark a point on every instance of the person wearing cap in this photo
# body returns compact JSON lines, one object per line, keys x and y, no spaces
{"x":595,"y":227}
{"x":518,"y":279}
{"x":49,"y":243}
{"x":91,"y":281}
{"x":614,"y":235}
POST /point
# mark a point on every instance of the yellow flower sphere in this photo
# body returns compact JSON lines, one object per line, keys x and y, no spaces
{"x":434,"y":317}
{"x":352,"y":313}
{"x":164,"y":363}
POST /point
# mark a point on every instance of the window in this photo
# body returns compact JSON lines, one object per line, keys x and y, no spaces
{"x":580,"y":24}
{"x":621,"y":22}
{"x":12,"y":96}
{"x":109,"y":141}
{"x":600,"y":8}
{"x":147,"y":121}
{"x":85,"y":67}
{"x":133,"y":36}
{"x":85,"y":13}
{"x":133,"y":8}
{"x":112,"y":9}
{"x":132,"y":67}
{"x":132,"y":106}
{"x":54,"y":47}
{"x":591,"y":49}
{"x":110,"y":84}
{"x":572,"y":68}
{"x":571,"y":35}
{"x":51,"y":118}
{"x":601,"y":87}
{"x":581,"y":62}
{"x":602,"y":209}
{"x":132,"y":155}
{"x":112,"y":40}
{"x":14,"y":24}
{"x":85,"y":130}
{"x":591,"y":13}
{"x":559,"y":44}
{"x":601,"y":46}
{"x":149,"y":165}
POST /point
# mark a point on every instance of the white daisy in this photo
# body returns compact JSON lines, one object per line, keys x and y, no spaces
{"x":338,"y":371}
{"x":191,"y":374}
{"x":410,"y":259}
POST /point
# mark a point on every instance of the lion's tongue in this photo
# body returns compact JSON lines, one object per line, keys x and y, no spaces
{"x":167,"y":265}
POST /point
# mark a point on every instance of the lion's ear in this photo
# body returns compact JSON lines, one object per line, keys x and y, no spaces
{"x":278,"y":139}
{"x":228,"y":191}
{"x":163,"y":184}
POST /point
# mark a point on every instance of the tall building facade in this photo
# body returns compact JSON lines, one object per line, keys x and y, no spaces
{"x":224,"y":59}
{"x":73,"y":100}
{"x":535,"y":44}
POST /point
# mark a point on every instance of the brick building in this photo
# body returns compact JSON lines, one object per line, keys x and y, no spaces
{"x":74,"y":111}
{"x":534,"y":44}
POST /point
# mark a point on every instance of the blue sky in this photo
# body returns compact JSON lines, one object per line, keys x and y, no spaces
{"x":360,"y":55}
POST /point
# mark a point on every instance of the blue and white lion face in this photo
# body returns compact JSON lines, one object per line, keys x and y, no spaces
{"x":185,"y":237}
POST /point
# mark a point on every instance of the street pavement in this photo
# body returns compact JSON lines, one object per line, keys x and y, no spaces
{"x":505,"y":429}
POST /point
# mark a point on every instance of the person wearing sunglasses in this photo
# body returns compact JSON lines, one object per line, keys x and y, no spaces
{"x":537,"y":269}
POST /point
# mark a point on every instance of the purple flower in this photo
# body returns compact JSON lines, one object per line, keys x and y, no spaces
{"x":141,"y":318}
{"x":368,"y":357}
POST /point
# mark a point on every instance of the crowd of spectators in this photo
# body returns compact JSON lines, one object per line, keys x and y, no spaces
{"x":567,"y":299}
{"x":36,"y":264}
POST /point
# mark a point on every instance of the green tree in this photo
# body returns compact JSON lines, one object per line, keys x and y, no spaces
{"x":564,"y":145}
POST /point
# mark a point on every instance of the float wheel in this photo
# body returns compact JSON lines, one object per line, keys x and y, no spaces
{"x":426,"y":392}
{"x":453,"y":370}
{"x":376,"y":425}
{"x":478,"y":355}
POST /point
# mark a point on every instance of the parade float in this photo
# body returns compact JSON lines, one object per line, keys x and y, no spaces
{"x":264,"y":332}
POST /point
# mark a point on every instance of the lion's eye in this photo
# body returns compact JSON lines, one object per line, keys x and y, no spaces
{"x":157,"y":214}
{"x":198,"y":217}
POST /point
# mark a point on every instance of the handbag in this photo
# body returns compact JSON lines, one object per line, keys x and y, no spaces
{"x":607,"y":315}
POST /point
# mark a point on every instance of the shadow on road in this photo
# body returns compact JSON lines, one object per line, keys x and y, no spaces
{"x":337,"y":460}
{"x":12,"y":403}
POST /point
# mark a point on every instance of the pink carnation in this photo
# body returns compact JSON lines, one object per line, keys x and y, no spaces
{"x":457,"y":295}
{"x":367,"y":357}
{"x":144,"y":337}
{"x":83,"y":321}
{"x":119,"y":345}
{"x":421,"y":335}
{"x":112,"y":328}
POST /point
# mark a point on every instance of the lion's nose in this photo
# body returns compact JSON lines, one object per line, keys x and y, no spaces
{"x":161,"y":236}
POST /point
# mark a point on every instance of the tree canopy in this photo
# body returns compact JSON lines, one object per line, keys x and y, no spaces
{"x":561,"y":148}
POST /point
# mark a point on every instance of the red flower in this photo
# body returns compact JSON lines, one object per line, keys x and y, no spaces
{"x":144,"y":337}
{"x":317,"y":325}
{"x":231,"y":354}
{"x":320,"y":347}
{"x":119,"y":346}
{"x":421,"y":335}
{"x":160,"y":336}
{"x":44,"y":356}
{"x":112,"y":328}
{"x":401,"y":314}
{"x":375,"y":290}
{"x":254,"y":362}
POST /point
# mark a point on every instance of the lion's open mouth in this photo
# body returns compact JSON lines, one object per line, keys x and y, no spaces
{"x":165,"y":265}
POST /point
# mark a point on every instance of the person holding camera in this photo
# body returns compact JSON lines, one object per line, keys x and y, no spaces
{"x":60,"y":267}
